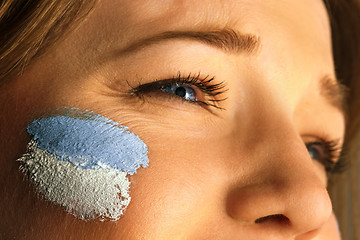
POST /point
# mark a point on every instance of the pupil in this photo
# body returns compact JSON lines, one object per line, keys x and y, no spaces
{"x":180,"y":91}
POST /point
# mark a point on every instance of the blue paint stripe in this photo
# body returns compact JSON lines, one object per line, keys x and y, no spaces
{"x":89,"y":141}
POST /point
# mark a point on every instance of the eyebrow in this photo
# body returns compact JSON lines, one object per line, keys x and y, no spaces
{"x":227,"y":40}
{"x":334,"y":92}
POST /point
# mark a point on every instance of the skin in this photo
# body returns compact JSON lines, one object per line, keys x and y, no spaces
{"x":212,"y":172}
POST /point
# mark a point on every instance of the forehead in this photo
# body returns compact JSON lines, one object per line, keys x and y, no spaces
{"x":300,"y":25}
{"x":158,"y":15}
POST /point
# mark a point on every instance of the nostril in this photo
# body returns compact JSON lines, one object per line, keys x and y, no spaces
{"x":275,"y":218}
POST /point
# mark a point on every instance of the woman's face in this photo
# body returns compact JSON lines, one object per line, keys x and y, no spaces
{"x":238,"y":157}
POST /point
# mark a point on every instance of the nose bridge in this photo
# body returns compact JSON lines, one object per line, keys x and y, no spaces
{"x":282,"y":187}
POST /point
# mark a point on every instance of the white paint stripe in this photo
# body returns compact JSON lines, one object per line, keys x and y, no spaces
{"x":86,"y":193}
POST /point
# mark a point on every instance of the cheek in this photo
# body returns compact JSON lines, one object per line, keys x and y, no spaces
{"x":81,"y":161}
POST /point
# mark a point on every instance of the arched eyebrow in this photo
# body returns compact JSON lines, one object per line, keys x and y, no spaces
{"x":227,"y":40}
{"x":334,"y":93}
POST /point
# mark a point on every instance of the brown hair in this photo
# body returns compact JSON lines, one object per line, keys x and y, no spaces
{"x":345,"y":24}
{"x":27,"y":28}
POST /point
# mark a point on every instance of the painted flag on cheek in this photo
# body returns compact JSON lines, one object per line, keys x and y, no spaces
{"x":81,"y":161}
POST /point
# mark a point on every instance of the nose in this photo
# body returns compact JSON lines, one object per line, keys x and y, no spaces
{"x":281,"y":193}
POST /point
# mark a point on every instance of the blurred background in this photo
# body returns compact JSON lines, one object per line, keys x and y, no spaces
{"x":345,"y":192}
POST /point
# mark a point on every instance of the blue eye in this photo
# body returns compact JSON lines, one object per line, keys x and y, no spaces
{"x":327,"y":153}
{"x":314,"y":152}
{"x":180,"y":90}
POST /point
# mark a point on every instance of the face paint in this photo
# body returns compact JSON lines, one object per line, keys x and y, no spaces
{"x":81,"y":160}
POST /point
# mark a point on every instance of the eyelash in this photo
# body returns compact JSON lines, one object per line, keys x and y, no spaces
{"x":205,"y":85}
{"x":333,"y":160}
